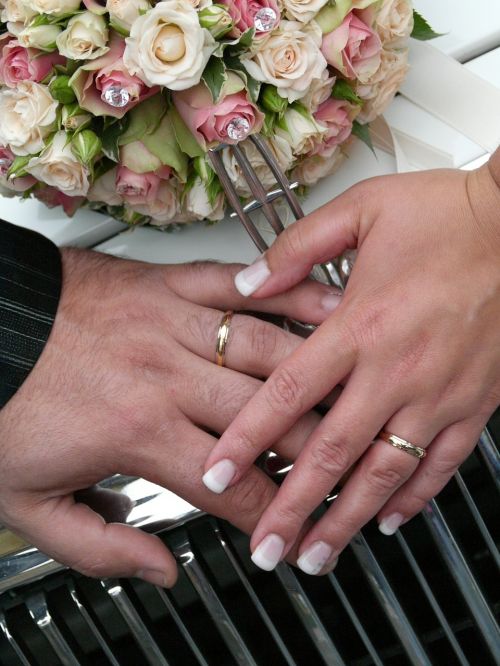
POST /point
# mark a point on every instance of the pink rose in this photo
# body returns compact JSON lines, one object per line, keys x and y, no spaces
{"x":243,"y":14}
{"x":137,"y":188}
{"x":53,"y":197}
{"x":210,"y":122}
{"x":99,"y":81}
{"x":353,"y":48}
{"x":20,"y":64}
{"x":15,"y":184}
{"x":337,"y":116}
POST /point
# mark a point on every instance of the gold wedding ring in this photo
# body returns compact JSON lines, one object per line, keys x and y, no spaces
{"x":402,"y":444}
{"x":222,"y":338}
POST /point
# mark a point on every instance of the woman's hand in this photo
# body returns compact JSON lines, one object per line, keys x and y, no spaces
{"x":127,"y":384}
{"x":415,"y":342}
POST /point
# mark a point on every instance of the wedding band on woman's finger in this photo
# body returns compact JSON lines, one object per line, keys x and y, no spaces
{"x":402,"y":444}
{"x":222,"y":338}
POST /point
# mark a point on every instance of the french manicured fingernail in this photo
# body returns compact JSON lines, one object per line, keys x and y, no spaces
{"x":154,"y":577}
{"x":220,"y":476}
{"x":331,"y":301}
{"x":390,"y":525}
{"x":250,"y":279}
{"x":269,"y":552}
{"x":314,"y":559}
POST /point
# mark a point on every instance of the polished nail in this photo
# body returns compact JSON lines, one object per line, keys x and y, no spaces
{"x":154,"y":577}
{"x":390,"y":525}
{"x":314,"y":559}
{"x":250,"y":279}
{"x":220,"y":476}
{"x":269,"y":552}
{"x":331,"y":301}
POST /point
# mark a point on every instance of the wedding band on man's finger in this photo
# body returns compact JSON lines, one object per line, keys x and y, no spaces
{"x":223,"y":337}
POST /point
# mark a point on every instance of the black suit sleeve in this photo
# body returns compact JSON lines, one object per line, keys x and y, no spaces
{"x":30,"y":288}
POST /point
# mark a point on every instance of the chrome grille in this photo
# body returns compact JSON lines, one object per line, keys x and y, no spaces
{"x":429,"y":595}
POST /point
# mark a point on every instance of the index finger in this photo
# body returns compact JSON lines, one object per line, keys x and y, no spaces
{"x":296,"y":386}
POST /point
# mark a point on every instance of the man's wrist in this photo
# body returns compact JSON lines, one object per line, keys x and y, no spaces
{"x":494,"y":166}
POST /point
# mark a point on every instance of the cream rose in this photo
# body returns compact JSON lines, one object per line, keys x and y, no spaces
{"x":27,"y":115}
{"x":165,"y":208}
{"x":103,"y":190}
{"x":54,"y":7}
{"x":198,"y":207}
{"x":16,"y":11}
{"x":290,"y":59}
{"x":58,"y":167}
{"x":302,"y":10}
{"x":168,"y":47}
{"x":42,"y":37}
{"x":316,"y":167}
{"x":319,"y":91}
{"x":394,"y":22}
{"x":123,"y":13}
{"x":282,"y":152}
{"x":85,"y":37}
{"x":379,"y":92}
{"x":301,"y":131}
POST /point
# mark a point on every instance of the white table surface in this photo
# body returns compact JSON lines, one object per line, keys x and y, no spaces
{"x":471,"y":28}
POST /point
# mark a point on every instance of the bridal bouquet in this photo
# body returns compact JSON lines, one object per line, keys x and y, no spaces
{"x":114,"y":105}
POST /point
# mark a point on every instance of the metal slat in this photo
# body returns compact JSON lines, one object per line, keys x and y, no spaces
{"x":140,"y":632}
{"x":308,"y":616}
{"x":39,"y":611}
{"x":389,"y":602}
{"x":12,"y":641}
{"x":232,"y":638}
{"x":92,"y":625}
{"x":432,"y":600}
{"x":182,"y":627}
{"x":490,"y":455}
{"x":478,"y":519}
{"x":252,"y":594}
{"x":354,"y":619}
{"x":464,"y":579}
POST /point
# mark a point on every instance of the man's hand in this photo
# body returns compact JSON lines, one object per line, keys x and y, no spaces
{"x":127,"y":384}
{"x":415,"y":342}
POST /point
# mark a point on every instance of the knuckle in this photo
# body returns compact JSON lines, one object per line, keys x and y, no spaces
{"x":250,"y":497}
{"x":445,"y":469}
{"x":331,"y":456}
{"x":200,"y":325}
{"x":383,"y":479}
{"x":285,"y":391}
{"x":263,"y":339}
{"x":92,"y":567}
{"x":290,"y":514}
{"x":293,"y":244}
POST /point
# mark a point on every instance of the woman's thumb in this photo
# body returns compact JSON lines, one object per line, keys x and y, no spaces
{"x":315,"y":239}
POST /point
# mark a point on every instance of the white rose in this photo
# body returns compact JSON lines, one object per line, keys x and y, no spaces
{"x":319,"y":91}
{"x":123,"y":13}
{"x":282,"y":152}
{"x":43,"y":37}
{"x":198,"y":207}
{"x":27,"y":115}
{"x":394,"y":22}
{"x":303,"y":10}
{"x":379,"y":92}
{"x":58,"y":167}
{"x":314,"y":168}
{"x":16,"y":11}
{"x":301,"y":131}
{"x":289,"y":59}
{"x":165,"y":208}
{"x":85,"y":37}
{"x":103,"y":190}
{"x":54,"y":7}
{"x":168,"y":47}
{"x":200,"y":4}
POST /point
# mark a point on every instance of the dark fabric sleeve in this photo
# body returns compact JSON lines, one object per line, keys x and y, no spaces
{"x":30,"y":288}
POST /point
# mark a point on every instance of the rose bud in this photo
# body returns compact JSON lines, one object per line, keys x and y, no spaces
{"x":73,"y":117}
{"x":86,"y":145}
{"x":272,"y":101}
{"x":216,"y":19}
{"x":61,"y":90}
{"x":41,"y":37}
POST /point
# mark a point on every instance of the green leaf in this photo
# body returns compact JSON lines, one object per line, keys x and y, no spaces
{"x":17,"y":167}
{"x":185,"y":139}
{"x":213,"y":189}
{"x":111,"y":136}
{"x":253,"y":87}
{"x":214,"y":77}
{"x":144,"y":119}
{"x":342,"y":90}
{"x":363,"y":133}
{"x":163,"y":144}
{"x":421,"y":28}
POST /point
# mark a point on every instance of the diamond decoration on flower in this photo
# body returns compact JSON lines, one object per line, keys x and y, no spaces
{"x":5,"y":162}
{"x":116,"y":96}
{"x":238,"y":129}
{"x":265,"y":19}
